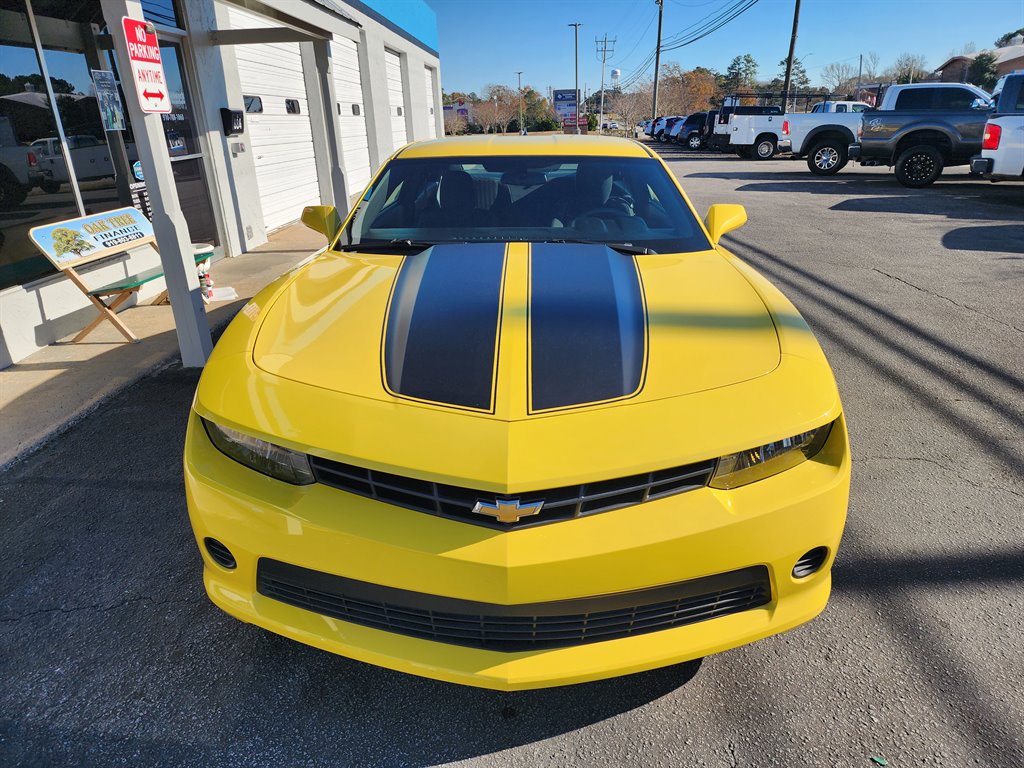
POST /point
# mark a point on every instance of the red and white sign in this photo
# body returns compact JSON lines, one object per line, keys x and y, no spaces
{"x":147,"y":69}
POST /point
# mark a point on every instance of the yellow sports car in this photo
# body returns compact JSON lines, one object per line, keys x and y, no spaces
{"x":524,"y":423}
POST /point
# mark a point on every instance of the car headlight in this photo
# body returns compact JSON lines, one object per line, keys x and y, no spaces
{"x":755,"y":464}
{"x":267,"y":458}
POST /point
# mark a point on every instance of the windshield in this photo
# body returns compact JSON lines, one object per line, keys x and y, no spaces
{"x":532,"y":198}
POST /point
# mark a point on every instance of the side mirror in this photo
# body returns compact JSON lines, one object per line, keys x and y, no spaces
{"x":981,"y":103}
{"x":323,"y":219}
{"x":724,"y":218}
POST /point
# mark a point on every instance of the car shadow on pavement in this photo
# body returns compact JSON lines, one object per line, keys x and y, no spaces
{"x":1003,"y":238}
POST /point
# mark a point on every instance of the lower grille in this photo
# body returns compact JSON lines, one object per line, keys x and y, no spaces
{"x":523,"y":627}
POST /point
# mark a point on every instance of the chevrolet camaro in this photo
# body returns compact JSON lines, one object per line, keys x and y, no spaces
{"x":524,"y":422}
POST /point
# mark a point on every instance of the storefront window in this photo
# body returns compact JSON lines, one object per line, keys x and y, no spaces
{"x":36,"y":185}
{"x":26,"y":127}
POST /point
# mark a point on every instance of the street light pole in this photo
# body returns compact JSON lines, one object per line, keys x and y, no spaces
{"x":576,"y":27}
{"x":519,"y":74}
{"x":789,"y":59}
{"x":657,"y":60}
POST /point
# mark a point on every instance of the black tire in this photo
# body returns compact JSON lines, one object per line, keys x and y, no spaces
{"x":765,"y":148}
{"x":744,"y":152}
{"x":919,"y":166}
{"x":827,"y":158}
{"x":693,"y":142}
{"x":661,"y":137}
{"x":12,"y":193}
{"x":50,"y":186}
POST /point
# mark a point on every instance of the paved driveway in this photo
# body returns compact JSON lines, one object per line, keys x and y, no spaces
{"x":111,"y":655}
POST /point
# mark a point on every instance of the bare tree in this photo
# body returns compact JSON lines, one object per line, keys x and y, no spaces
{"x":454,"y":123}
{"x":631,"y":107}
{"x":837,"y":74}
{"x":871,"y":67}
{"x":908,"y":68}
{"x":485,"y":114}
{"x":506,"y":105}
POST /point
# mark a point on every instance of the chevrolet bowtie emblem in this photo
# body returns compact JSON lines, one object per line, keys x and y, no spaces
{"x":507,"y":510}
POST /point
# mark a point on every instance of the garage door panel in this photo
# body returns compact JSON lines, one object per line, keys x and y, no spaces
{"x":396,"y":98}
{"x":348,"y":90}
{"x":281,"y":143}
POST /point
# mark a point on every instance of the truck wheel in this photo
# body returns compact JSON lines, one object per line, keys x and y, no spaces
{"x":693,"y":142}
{"x":12,"y":193}
{"x":765,"y":149}
{"x":919,"y":166}
{"x":827,"y":158}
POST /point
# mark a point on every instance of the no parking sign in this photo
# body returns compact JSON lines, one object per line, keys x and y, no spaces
{"x":147,"y":68}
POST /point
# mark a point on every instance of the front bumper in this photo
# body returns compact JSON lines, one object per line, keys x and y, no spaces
{"x":677,"y":538}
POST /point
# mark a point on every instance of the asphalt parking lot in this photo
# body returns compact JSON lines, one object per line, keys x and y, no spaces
{"x":110,"y":653}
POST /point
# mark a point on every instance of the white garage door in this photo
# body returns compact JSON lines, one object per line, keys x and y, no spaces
{"x":431,"y":119}
{"x":348,"y":90}
{"x":396,"y":99}
{"x":280,"y":135}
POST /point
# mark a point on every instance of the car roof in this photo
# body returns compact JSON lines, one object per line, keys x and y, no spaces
{"x":557,"y":144}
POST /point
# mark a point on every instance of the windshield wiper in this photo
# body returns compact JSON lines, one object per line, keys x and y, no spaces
{"x":620,"y":247}
{"x":389,"y":245}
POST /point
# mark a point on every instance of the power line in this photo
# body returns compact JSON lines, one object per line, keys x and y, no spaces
{"x":605,"y":50}
{"x":711,"y":23}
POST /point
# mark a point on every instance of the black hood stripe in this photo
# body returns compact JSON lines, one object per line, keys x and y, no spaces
{"x":443,"y":323}
{"x":588,"y":325}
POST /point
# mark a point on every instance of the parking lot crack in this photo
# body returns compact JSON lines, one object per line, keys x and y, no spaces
{"x":95,"y":607}
{"x":943,"y":467}
{"x":946,"y":298}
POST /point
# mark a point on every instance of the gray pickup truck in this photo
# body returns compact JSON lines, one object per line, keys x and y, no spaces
{"x":921,"y":129}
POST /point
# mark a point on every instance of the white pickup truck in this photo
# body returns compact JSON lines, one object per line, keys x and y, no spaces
{"x":1002,"y":144}
{"x":90,"y":156}
{"x":821,"y":135}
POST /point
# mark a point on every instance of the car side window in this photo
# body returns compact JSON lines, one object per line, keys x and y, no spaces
{"x":858,"y":108}
{"x":840,"y":107}
{"x":915,"y":98}
{"x":1020,"y":99}
{"x":954,"y":98}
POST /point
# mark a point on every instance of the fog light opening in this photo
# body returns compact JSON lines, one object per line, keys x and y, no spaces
{"x":220,"y":554}
{"x":810,"y":563}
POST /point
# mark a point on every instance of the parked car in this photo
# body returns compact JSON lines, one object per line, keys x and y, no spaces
{"x":610,"y":126}
{"x":19,"y":168}
{"x":663,"y":125}
{"x":922,"y":128}
{"x":688,"y":132}
{"x":1002,"y":143}
{"x":516,"y":476}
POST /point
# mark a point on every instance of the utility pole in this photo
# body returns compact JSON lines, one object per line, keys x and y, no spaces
{"x":519,"y":74}
{"x":605,"y":49}
{"x":657,"y":60}
{"x":576,"y":27}
{"x":789,"y":61}
{"x":860,"y":73}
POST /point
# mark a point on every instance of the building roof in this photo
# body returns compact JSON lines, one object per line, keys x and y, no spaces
{"x":1006,"y":53}
{"x":556,"y":144}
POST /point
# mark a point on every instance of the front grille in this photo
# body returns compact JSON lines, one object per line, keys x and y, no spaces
{"x":523,"y":627}
{"x":559,"y":503}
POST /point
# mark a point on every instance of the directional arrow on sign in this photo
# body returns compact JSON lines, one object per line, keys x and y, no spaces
{"x":151,"y":95}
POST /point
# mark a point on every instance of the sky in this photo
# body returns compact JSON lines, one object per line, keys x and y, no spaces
{"x":487,"y":41}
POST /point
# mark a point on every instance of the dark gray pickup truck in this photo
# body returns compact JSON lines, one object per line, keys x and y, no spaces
{"x":921,"y":129}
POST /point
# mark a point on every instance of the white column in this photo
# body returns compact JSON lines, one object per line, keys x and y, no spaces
{"x":317,"y":69}
{"x":375,"y":98}
{"x":172,"y":237}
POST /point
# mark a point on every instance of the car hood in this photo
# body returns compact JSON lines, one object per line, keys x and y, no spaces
{"x":517,"y":331}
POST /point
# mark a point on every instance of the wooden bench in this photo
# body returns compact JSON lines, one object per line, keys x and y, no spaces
{"x":74,"y":242}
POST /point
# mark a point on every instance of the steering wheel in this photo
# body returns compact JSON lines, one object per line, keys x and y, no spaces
{"x":601,"y":212}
